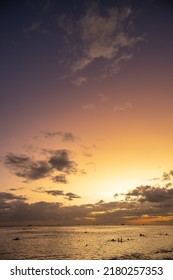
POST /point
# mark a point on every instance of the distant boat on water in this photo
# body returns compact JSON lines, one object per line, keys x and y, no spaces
{"x":16,"y":238}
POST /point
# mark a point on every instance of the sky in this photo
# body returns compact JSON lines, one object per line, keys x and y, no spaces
{"x":86,"y":112}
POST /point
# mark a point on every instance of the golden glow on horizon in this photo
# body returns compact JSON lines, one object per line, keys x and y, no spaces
{"x":149,"y":220}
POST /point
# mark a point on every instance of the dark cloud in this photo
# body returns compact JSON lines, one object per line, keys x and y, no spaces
{"x":167,"y":176}
{"x":60,"y":161}
{"x":69,"y":137}
{"x":7,"y":201}
{"x":30,"y":169}
{"x":60,"y":179}
{"x":24,"y":213}
{"x":24,"y":166}
{"x":144,"y":201}
{"x":16,"y":160}
{"x":168,"y":185}
{"x":150,"y":194}
{"x":116,"y":195}
{"x":70,"y":196}
{"x":66,"y":136}
{"x":4,"y":196}
{"x":100,"y":202}
{"x":15,"y":189}
{"x":54,"y":192}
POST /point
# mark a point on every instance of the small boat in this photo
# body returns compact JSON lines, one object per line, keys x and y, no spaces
{"x":16,"y":238}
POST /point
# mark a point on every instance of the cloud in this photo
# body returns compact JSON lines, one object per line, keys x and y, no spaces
{"x":16,"y":189}
{"x":69,"y":137}
{"x":60,"y":161}
{"x":80,"y":81}
{"x":102,"y":100}
{"x":141,"y":204}
{"x":116,"y":65}
{"x":66,"y":136}
{"x":8,"y":200}
{"x":123,"y":107}
{"x":54,"y":192}
{"x":70,"y":196}
{"x":167,"y":176}
{"x":57,"y":166}
{"x":60,"y":179}
{"x":99,"y":36}
{"x":24,"y":166}
{"x":89,"y":107}
{"x":153,"y":194}
{"x":35,"y":26}
{"x":6,"y":197}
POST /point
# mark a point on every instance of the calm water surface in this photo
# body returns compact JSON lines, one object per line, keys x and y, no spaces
{"x":87,"y":242}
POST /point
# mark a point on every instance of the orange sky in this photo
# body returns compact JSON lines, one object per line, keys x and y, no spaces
{"x":86,"y":113}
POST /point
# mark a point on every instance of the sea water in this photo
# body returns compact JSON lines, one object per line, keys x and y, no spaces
{"x":86,"y":242}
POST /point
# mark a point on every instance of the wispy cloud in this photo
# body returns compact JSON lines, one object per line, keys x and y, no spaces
{"x":89,"y":107}
{"x":35,"y":26}
{"x":69,"y":196}
{"x":102,"y":100}
{"x":80,"y":81}
{"x":99,"y":36}
{"x":123,"y":107}
{"x":66,"y":136}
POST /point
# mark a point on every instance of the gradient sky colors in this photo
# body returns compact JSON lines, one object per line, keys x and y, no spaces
{"x":86,"y":112}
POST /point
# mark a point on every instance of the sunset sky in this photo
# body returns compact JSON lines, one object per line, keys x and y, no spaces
{"x":86,"y":118}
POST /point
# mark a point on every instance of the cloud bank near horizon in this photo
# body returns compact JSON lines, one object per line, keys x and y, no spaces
{"x":144,"y":204}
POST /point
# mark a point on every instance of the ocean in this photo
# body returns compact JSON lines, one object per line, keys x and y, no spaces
{"x":86,"y":243}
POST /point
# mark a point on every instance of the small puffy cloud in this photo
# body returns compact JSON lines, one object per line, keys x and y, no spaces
{"x":60,"y":160}
{"x":54,"y":192}
{"x":69,"y":137}
{"x":60,"y":179}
